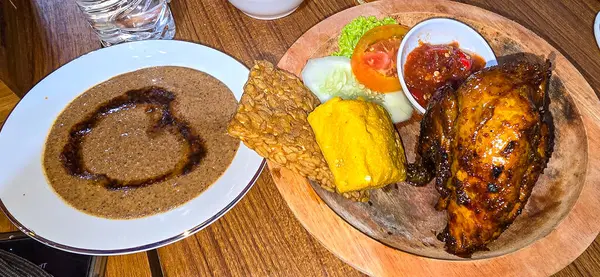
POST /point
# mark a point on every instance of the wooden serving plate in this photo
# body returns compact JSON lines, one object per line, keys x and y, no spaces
{"x":394,"y":234}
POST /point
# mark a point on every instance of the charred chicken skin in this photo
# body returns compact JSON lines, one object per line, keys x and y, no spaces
{"x":486,"y":144}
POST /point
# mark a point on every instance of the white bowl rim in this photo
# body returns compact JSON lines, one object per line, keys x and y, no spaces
{"x":147,"y":246}
{"x":400,"y":62}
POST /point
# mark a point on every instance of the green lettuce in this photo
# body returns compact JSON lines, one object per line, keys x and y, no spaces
{"x":353,"y":31}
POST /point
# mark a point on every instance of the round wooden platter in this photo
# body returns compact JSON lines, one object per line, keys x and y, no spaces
{"x":566,"y":239}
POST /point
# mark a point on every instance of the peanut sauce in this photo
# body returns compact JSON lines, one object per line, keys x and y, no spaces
{"x":141,"y":143}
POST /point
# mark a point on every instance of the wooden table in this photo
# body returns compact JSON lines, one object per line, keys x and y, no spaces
{"x":260,"y":236}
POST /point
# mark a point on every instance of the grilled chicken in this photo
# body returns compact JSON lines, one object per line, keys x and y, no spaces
{"x":486,"y":144}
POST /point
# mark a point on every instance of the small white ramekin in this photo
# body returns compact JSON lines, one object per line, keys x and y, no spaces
{"x":266,"y":9}
{"x":441,"y":31}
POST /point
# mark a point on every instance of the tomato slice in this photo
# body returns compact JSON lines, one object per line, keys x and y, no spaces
{"x":377,"y":60}
{"x":374,"y":58}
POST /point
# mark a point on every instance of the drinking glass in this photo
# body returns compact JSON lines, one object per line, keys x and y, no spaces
{"x":117,"y":21}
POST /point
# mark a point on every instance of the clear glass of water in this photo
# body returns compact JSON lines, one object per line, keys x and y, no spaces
{"x":117,"y":21}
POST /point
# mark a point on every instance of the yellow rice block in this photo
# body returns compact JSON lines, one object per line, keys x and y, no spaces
{"x":360,"y":144}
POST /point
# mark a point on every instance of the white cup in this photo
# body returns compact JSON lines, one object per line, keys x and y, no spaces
{"x":266,"y":9}
{"x":441,"y":31}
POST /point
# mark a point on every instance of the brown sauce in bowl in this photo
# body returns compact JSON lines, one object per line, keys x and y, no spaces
{"x":141,"y":143}
{"x":72,"y":158}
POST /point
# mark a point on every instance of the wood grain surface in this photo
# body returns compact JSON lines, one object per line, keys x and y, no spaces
{"x":259,"y":236}
{"x":536,"y":233}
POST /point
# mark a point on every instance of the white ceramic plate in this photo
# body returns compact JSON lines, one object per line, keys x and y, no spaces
{"x":33,"y":206}
{"x":441,"y":31}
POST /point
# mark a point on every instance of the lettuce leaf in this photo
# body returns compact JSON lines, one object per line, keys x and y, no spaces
{"x":353,"y":31}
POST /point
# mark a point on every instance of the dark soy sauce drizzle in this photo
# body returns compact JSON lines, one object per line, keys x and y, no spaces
{"x":71,"y":155}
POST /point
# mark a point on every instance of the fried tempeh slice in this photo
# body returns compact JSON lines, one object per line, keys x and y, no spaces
{"x":272,"y":120}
